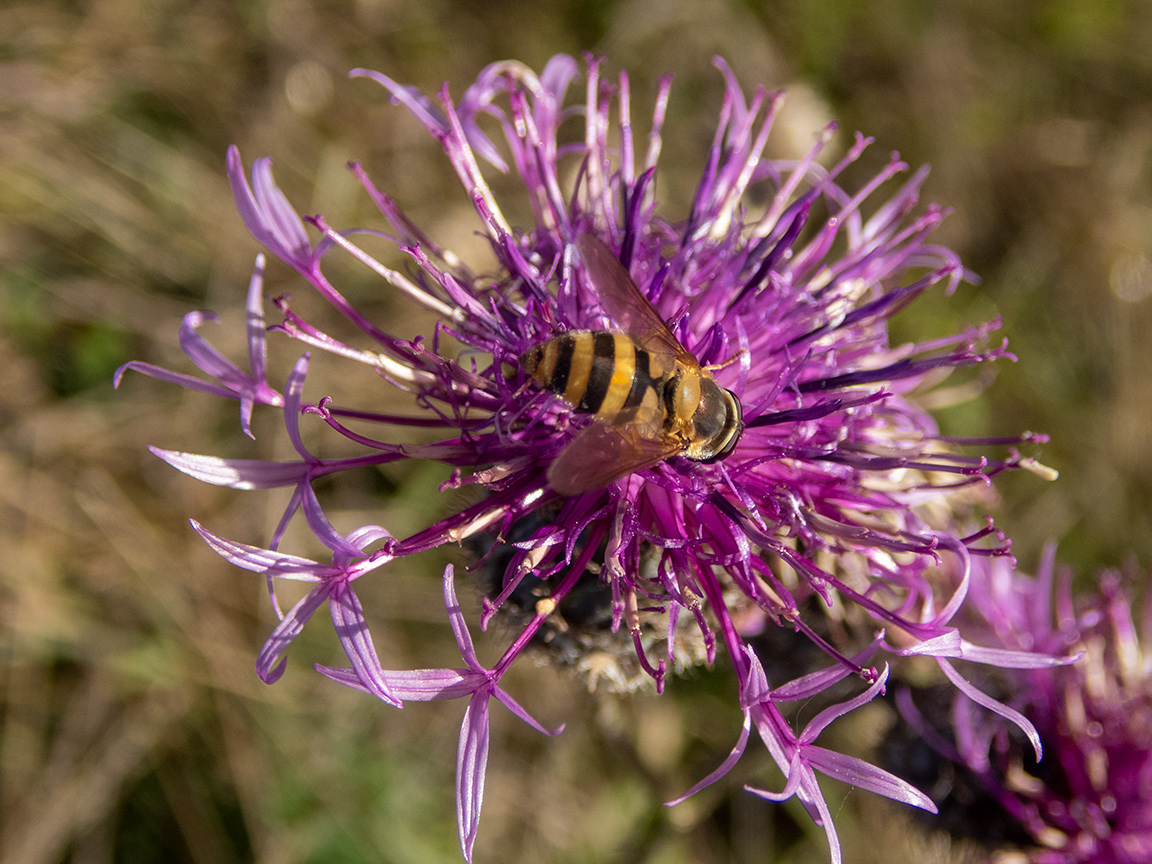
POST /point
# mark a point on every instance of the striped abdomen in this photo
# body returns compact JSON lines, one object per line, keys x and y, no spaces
{"x":598,"y":372}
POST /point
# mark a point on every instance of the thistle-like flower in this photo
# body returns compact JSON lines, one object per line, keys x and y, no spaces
{"x":829,"y":481}
{"x":1090,"y":800}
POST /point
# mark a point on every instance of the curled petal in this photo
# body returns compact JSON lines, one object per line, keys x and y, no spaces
{"x":207,"y":358}
{"x":270,"y":663}
{"x":982,"y":698}
{"x":267,"y":213}
{"x":177,"y":378}
{"x":793,"y":779}
{"x":725,"y":766}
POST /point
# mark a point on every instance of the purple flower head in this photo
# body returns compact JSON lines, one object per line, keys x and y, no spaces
{"x":1090,"y":799}
{"x":820,"y":480}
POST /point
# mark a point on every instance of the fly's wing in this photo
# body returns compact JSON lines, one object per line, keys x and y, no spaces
{"x":626,"y":304}
{"x":602,"y":453}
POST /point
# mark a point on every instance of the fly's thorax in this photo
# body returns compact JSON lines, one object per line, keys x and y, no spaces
{"x":685,"y":395}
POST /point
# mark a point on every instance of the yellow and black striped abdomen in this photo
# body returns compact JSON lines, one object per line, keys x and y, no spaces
{"x":596,"y":371}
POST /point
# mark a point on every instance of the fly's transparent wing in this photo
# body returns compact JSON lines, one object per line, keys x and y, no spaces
{"x":605,"y":452}
{"x":626,"y":304}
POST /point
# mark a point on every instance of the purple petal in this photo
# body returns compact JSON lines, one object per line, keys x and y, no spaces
{"x":267,"y":213}
{"x":517,"y":709}
{"x":794,"y":777}
{"x":411,"y":98}
{"x":459,"y":625}
{"x":754,"y":688}
{"x":288,"y":629}
{"x":178,"y":378}
{"x":342,"y":675}
{"x":808,"y":791}
{"x":257,"y":342}
{"x":352,"y":630}
{"x":413,"y":685}
{"x":817,"y":682}
{"x":206,"y":357}
{"x":341,"y":547}
{"x":821,"y":720}
{"x":982,"y":698}
{"x":957,"y":598}
{"x":857,"y":772}
{"x":235,"y":473}
{"x":367,"y":535}
{"x":471,"y":766}
{"x":1007,"y":659}
{"x":259,"y":560}
{"x":947,"y":644}
{"x":434,"y":685}
{"x":558,"y":74}
{"x":293,"y":391}
{"x":817,"y":807}
{"x":725,"y":766}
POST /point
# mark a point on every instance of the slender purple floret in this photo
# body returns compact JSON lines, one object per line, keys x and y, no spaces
{"x":1090,"y":800}
{"x":429,"y":685}
{"x":840,"y":492}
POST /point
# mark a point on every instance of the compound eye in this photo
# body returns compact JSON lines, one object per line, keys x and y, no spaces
{"x":718,"y":424}
{"x":711,"y":414}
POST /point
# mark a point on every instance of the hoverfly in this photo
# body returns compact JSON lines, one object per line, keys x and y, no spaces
{"x":651,"y":398}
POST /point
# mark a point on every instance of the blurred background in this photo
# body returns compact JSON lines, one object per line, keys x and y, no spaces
{"x":133,"y":725}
